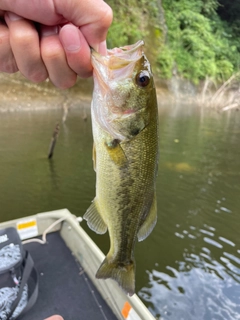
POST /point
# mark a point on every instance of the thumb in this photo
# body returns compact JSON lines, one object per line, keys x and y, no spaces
{"x":94,"y":17}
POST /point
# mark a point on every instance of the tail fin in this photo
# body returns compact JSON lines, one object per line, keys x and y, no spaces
{"x":123,"y":274}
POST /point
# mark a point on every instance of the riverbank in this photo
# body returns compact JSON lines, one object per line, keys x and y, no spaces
{"x":18,"y":94}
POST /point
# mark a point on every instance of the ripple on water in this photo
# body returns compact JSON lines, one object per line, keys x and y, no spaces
{"x":204,"y":285}
{"x":227,"y":241}
{"x":213,"y":242}
{"x":195,"y":294}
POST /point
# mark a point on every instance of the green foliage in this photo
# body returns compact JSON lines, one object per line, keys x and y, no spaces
{"x":165,"y":63}
{"x":128,"y":24}
{"x":200,"y":43}
{"x":137,"y":20}
{"x":202,"y":36}
{"x":121,"y":34}
{"x":229,"y":11}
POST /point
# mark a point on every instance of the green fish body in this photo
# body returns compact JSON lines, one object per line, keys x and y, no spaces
{"x":125,"y":155}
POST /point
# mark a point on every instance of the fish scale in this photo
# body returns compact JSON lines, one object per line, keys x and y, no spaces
{"x":125,"y":157}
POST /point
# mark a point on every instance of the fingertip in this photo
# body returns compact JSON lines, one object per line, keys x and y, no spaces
{"x":7,"y":60}
{"x":105,"y":16}
{"x":77,"y":50}
{"x":37,"y":77}
{"x":12,"y":16}
{"x":102,"y":48}
{"x":9,"y":66}
{"x":70,"y":38}
{"x":67,"y":82}
{"x":56,"y":317}
{"x":95,"y":32}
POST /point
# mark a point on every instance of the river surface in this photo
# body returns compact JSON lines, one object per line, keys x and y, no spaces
{"x":189,"y":267}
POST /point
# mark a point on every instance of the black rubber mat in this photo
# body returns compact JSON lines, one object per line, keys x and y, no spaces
{"x":64,"y":288}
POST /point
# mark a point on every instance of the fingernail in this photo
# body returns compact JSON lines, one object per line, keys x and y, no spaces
{"x":70,"y":38}
{"x":13,"y":17}
{"x":49,"y":30}
{"x":102,"y":48}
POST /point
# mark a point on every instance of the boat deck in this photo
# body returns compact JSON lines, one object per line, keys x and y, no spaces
{"x":64,"y":288}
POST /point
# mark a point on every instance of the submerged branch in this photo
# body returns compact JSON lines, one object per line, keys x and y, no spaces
{"x":231,"y":106}
{"x":223,"y":87}
{"x":53,"y":141}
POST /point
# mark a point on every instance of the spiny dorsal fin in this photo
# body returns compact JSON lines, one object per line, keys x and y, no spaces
{"x":94,"y":219}
{"x":150,"y":221}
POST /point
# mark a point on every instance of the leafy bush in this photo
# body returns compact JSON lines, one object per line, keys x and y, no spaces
{"x":128,"y":24}
{"x":200,"y":43}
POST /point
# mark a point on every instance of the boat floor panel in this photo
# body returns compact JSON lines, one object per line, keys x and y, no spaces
{"x":63,"y":288}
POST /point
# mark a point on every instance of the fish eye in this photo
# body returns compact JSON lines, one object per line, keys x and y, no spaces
{"x":143,"y":78}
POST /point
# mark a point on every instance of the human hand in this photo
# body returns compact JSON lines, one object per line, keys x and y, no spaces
{"x":56,"y":317}
{"x":58,"y":46}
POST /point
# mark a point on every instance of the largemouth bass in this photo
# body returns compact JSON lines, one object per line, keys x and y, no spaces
{"x":125,"y":156}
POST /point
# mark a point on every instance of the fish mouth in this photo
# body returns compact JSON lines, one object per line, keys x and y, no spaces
{"x":118,"y":63}
{"x":118,"y":57}
{"x":113,"y":74}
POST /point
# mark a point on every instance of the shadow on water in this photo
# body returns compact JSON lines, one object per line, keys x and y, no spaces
{"x":189,"y":267}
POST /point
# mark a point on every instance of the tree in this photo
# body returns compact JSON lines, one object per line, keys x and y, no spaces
{"x":199,"y":43}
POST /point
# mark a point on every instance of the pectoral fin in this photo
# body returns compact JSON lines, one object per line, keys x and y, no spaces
{"x":116,"y":152}
{"x":94,"y":219}
{"x":150,"y":221}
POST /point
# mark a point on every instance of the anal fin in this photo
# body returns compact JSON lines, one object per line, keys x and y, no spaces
{"x":150,"y":221}
{"x":94,"y":219}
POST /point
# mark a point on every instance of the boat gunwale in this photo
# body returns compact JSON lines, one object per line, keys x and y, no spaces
{"x":90,"y":257}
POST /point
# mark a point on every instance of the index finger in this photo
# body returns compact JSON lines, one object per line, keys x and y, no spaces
{"x":94,"y":17}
